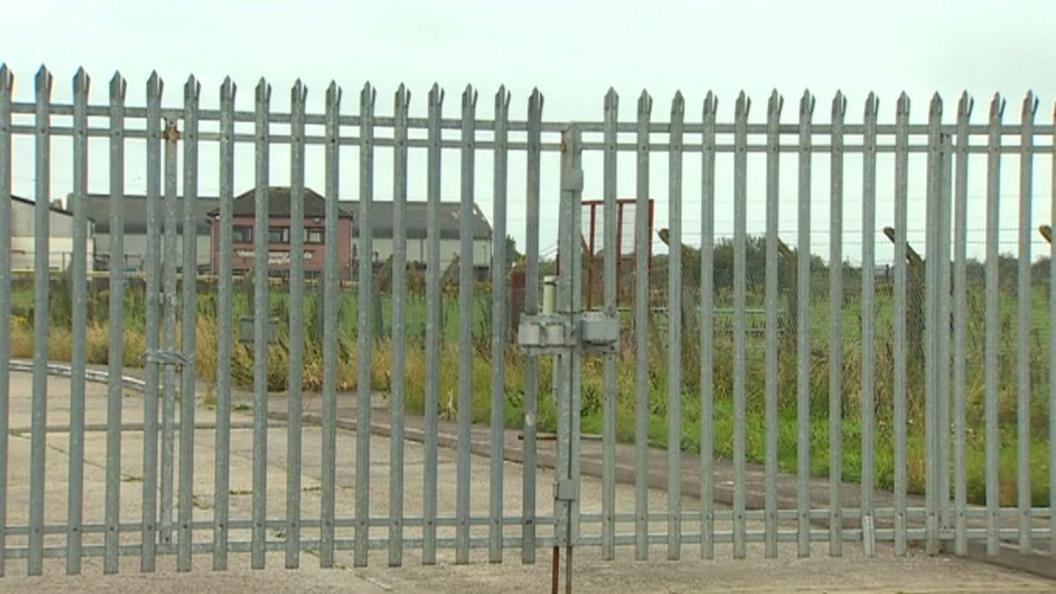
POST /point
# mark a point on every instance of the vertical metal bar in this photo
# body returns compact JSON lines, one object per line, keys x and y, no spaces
{"x":531,"y":307}
{"x":899,"y":319}
{"x":224,"y":348}
{"x":641,"y":332}
{"x":933,"y":254}
{"x":839,"y":110}
{"x":806,"y":110}
{"x":498,"y":325}
{"x":773,"y":185}
{"x":740,"y":351}
{"x":674,"y":333}
{"x":189,"y":318}
{"x":993,"y":214}
{"x":1052,"y":369}
{"x":116,"y":355}
{"x":399,"y":324}
{"x":575,"y":358}
{"x":294,"y":382}
{"x":868,"y":379}
{"x":364,"y":337}
{"x":169,"y":262}
{"x":707,"y":326}
{"x":565,"y":384}
{"x":330,"y":308}
{"x":773,"y":163}
{"x":153,"y":289}
{"x":432,"y":327}
{"x":1023,"y":307}
{"x":960,"y":323}
{"x":608,"y":430}
{"x":75,"y":499}
{"x":41,"y":275}
{"x":465,"y":321}
{"x":6,"y":86}
{"x":260,"y":325}
{"x":942,"y":321}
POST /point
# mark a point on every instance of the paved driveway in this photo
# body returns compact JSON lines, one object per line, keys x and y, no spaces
{"x":850,"y":573}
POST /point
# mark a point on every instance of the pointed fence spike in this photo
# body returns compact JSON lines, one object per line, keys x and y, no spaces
{"x":81,"y":80}
{"x":192,"y":89}
{"x":902,"y":106}
{"x":332,"y":88}
{"x":965,"y":105}
{"x":263,"y":91}
{"x":936,"y":105}
{"x":1030,"y":104}
{"x":997,"y":106}
{"x":806,"y":103}
{"x":7,"y":78}
{"x":645,"y":102}
{"x":743,"y":105}
{"x":839,"y":104}
{"x":711,"y":104}
{"x":535,"y":101}
{"x":43,"y":79}
{"x":155,"y":85}
{"x":117,"y":84}
{"x":872,"y":104}
{"x":775,"y":103}
{"x":227,"y":89}
{"x":678,"y":104}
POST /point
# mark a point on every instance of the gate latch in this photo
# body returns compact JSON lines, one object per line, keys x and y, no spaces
{"x":554,"y":334}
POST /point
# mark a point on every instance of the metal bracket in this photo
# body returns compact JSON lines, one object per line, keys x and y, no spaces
{"x":165,"y":357}
{"x":556,"y":334}
{"x":566,"y":490}
{"x":572,"y":181}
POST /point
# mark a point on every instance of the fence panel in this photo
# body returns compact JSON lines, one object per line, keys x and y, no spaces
{"x":755,"y":391}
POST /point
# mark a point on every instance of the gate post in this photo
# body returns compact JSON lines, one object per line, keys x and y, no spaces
{"x":566,"y":332}
{"x":566,"y":479}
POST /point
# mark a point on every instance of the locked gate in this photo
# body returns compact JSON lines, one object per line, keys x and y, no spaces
{"x":937,"y":429}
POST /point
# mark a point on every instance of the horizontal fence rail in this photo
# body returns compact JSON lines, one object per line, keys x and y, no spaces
{"x":838,"y":329}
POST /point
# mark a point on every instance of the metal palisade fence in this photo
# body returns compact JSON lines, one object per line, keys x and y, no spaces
{"x":899,"y":389}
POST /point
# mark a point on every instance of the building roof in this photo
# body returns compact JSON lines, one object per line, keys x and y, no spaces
{"x":381,"y":213}
{"x":279,"y":204}
{"x":52,"y":207}
{"x":135,"y":213}
{"x":415,"y":217}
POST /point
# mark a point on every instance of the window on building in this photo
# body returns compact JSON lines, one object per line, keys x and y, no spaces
{"x":242,"y":234}
{"x":278,"y":235}
{"x":313,"y":235}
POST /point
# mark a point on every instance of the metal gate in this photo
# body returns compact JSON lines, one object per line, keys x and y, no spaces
{"x":936,"y":424}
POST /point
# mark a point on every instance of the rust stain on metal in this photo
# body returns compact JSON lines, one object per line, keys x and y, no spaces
{"x":171,"y":133}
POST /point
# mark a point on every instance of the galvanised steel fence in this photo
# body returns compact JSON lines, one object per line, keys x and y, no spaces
{"x":898,"y":375}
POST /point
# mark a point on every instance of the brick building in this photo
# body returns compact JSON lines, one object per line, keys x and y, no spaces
{"x":279,"y":257}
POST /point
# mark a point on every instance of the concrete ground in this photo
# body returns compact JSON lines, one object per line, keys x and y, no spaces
{"x":850,"y":573}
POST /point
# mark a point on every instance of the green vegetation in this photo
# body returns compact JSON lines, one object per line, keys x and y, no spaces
{"x":135,"y":304}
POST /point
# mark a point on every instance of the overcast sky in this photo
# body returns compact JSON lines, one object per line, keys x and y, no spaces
{"x":573,"y":51}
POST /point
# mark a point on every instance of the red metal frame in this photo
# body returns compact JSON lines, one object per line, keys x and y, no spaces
{"x":594,"y":287}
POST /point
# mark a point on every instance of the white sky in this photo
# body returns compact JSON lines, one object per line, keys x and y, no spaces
{"x":573,"y":51}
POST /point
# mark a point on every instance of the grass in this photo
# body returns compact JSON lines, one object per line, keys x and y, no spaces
{"x":415,"y":374}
